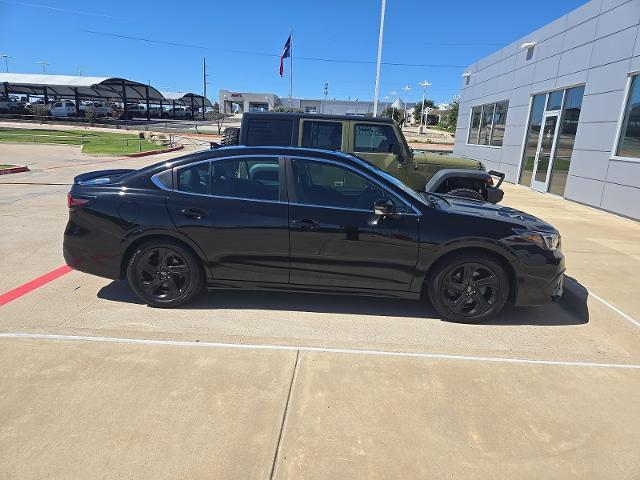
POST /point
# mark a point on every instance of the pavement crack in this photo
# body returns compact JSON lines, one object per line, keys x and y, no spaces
{"x":276,"y":455}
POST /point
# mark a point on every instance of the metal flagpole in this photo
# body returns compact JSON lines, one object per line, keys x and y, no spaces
{"x":291,"y":68}
{"x":377,"y":85}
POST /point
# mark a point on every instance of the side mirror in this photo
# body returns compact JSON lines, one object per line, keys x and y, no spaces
{"x":383,"y":207}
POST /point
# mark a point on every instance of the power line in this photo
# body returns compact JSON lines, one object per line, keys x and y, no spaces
{"x":263,"y":54}
{"x":64,"y":10}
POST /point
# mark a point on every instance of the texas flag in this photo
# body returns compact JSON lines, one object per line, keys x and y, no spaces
{"x":286,"y":53}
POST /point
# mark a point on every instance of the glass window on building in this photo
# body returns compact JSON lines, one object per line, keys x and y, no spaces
{"x":499,"y":122}
{"x":486,"y":122}
{"x":555,"y":100}
{"x":629,"y":143}
{"x":475,"y":125}
{"x":535,"y":123}
{"x":566,"y":139}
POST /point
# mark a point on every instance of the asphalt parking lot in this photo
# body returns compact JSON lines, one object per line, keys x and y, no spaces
{"x":254,"y":385}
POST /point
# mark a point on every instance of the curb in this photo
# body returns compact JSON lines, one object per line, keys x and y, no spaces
{"x":7,"y":171}
{"x":156,"y":152}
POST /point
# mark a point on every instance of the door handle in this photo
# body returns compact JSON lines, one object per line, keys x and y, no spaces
{"x":306,"y":224}
{"x":196,"y":213}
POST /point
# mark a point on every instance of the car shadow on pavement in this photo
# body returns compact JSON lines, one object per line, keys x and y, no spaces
{"x":570,"y":310}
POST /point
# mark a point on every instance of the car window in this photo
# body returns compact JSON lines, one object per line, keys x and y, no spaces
{"x":194,"y":179}
{"x":251,"y":178}
{"x":326,"y":135}
{"x":374,"y":138}
{"x":277,"y":132}
{"x":330,"y":185}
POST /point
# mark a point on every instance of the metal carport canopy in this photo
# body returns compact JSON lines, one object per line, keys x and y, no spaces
{"x":69,"y":86}
{"x":183,"y":98}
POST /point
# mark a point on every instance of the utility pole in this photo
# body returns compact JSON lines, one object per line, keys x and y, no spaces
{"x":204,"y":78}
{"x":44,"y":66}
{"x":6,"y":62}
{"x":424,"y":84}
{"x":380,"y":35}
{"x":393,"y":109}
{"x":325,"y":92}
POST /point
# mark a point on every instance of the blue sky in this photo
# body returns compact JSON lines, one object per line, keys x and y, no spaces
{"x":59,"y":32}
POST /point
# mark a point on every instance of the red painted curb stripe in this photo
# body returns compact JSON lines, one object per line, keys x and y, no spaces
{"x":33,"y":284}
{"x":7,"y":171}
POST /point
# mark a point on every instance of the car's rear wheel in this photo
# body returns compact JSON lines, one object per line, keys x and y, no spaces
{"x":164,"y":273}
{"x":469,"y":288}
{"x":465,"y":193}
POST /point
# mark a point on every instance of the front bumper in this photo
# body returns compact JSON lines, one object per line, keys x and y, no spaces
{"x":540,"y":279}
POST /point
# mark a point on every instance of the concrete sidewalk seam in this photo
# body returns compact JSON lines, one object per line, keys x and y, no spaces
{"x":283,"y":424}
{"x":385,"y":353}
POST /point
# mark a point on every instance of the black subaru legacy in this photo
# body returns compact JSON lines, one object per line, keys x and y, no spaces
{"x":308,"y":220}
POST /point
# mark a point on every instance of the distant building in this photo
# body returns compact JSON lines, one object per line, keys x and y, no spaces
{"x":240,"y":102}
{"x":559,"y":110}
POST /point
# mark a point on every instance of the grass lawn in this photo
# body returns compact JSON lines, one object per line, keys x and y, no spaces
{"x":92,"y":141}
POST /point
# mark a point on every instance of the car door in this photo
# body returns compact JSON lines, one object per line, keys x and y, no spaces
{"x":378,"y":144}
{"x":337,"y":240}
{"x":235,"y":209}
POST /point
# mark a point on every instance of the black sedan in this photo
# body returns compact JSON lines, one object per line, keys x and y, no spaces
{"x":306,"y":220}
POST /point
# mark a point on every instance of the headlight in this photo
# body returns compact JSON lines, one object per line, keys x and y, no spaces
{"x":546,"y":240}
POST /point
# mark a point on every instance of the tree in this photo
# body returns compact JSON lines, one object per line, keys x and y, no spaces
{"x":41,"y":111}
{"x":217,"y":116}
{"x":449,"y":120}
{"x":91,"y":113}
{"x":397,"y":114}
{"x":417,"y":110}
{"x":285,"y":109}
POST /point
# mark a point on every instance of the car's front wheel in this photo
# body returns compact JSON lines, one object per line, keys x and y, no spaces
{"x":469,"y":287}
{"x":164,"y":273}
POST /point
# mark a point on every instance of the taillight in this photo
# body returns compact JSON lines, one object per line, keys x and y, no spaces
{"x":490,"y":181}
{"x":77,"y":201}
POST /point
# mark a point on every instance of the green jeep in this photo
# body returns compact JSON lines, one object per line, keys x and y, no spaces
{"x":377,"y":140}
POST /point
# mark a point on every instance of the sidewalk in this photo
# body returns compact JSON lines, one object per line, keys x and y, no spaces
{"x":602,"y":249}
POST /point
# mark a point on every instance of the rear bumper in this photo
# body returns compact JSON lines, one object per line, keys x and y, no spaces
{"x":541,"y":280}
{"x":82,"y":254}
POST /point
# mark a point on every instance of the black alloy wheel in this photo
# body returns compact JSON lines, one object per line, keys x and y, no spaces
{"x":164,"y":274}
{"x":468,"y":289}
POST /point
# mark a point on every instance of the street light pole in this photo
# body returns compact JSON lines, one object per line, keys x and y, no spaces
{"x":424,"y":84}
{"x":406,"y":89}
{"x":393,"y":109}
{"x":44,"y":66}
{"x":6,"y":62}
{"x":377,"y":85}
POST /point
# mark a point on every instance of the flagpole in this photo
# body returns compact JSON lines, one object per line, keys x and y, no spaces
{"x":291,"y":69}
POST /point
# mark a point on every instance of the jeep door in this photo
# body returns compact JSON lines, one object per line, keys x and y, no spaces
{"x":376,"y":142}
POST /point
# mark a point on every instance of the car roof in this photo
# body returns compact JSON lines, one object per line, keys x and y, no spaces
{"x":239,"y":150}
{"x":318,"y":116}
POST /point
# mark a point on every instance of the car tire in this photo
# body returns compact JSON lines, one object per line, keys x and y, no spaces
{"x":230,"y":137}
{"x":469,"y":287}
{"x":164,"y":273}
{"x":466,"y":193}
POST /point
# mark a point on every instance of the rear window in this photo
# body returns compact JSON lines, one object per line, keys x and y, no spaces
{"x":326,"y":135}
{"x":277,"y":132}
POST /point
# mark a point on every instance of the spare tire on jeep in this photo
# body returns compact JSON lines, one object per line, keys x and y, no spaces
{"x":231,"y":136}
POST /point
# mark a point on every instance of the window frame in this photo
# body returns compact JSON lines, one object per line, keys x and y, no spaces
{"x":293,"y":200}
{"x":482,"y":107}
{"x":282,"y":178}
{"x":623,"y":112}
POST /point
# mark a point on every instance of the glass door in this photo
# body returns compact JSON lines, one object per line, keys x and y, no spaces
{"x":544,"y":152}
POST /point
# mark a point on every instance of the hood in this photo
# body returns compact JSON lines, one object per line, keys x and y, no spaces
{"x":474,"y":208}
{"x":421,"y":156}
